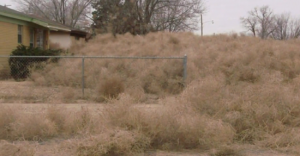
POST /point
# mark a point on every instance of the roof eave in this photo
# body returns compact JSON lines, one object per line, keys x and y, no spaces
{"x":35,"y":21}
{"x":26,"y":19}
{"x":38,"y":22}
{"x":58,"y":28}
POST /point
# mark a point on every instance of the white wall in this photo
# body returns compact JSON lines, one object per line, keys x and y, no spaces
{"x":62,"y":38}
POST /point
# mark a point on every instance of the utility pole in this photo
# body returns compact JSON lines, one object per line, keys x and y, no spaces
{"x":201,"y":25}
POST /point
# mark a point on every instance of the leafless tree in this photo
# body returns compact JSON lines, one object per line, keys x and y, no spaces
{"x":285,"y":27}
{"x":260,"y":22}
{"x":250,"y":23}
{"x":142,"y":16}
{"x":294,"y":29}
{"x":263,"y":23}
{"x":69,"y":12}
{"x":281,"y":23}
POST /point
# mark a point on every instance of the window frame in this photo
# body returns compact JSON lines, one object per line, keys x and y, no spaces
{"x":20,"y":34}
{"x":31,"y":42}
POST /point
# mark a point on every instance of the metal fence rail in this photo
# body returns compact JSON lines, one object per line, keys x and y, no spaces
{"x":83,"y":58}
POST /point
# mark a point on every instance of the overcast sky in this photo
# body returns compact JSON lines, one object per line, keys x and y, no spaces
{"x":226,"y":14}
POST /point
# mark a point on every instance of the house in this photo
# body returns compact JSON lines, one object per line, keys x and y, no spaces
{"x":19,"y":28}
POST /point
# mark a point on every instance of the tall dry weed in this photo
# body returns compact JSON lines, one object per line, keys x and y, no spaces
{"x":84,"y":121}
{"x":239,"y":59}
{"x":289,"y":138}
{"x":169,"y":127}
{"x":10,"y":149}
{"x":8,"y":116}
{"x":4,"y":73}
{"x":238,"y":88}
{"x":111,"y":88}
{"x":33,"y":127}
{"x":58,"y":116}
{"x":117,"y":142}
{"x":253,"y":110}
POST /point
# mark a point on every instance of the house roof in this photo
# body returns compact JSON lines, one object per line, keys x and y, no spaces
{"x":52,"y":25}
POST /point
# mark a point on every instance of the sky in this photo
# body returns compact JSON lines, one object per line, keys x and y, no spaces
{"x":226,"y":14}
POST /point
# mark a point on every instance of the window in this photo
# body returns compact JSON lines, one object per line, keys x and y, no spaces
{"x":20,"y":34}
{"x":31,"y":38}
{"x":40,"y":38}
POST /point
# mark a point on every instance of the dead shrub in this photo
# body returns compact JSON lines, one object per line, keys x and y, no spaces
{"x":240,"y":73}
{"x":226,"y":151}
{"x":4,"y":73}
{"x":16,"y":150}
{"x":186,"y":132}
{"x":119,"y":142}
{"x":8,"y":116}
{"x":203,"y":95}
{"x":234,"y":35}
{"x":33,"y":127}
{"x":168,"y":128}
{"x":239,"y":89}
{"x":82,"y":122}
{"x":58,"y":116}
{"x":111,"y":88}
{"x":137,"y":93}
{"x":253,"y":110}
{"x":69,"y":95}
{"x":122,"y":113}
{"x":174,"y":40}
{"x":38,"y":79}
{"x":166,"y":80}
{"x":287,"y":138}
{"x":151,"y":86}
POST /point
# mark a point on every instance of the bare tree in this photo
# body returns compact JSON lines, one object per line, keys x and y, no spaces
{"x":250,"y":23}
{"x":260,"y":21}
{"x":281,"y":24}
{"x":142,"y":16}
{"x":263,"y":23}
{"x":68,"y":12}
{"x":294,"y":29}
{"x":286,"y":28}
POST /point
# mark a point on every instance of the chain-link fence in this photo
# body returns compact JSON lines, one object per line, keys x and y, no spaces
{"x":80,"y":76}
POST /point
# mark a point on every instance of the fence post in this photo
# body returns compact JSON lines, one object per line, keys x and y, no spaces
{"x":82,"y":83}
{"x":184,"y":69}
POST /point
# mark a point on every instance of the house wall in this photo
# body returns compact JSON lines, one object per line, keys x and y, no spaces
{"x":63,"y":39}
{"x":9,"y":40}
{"x":26,"y":35}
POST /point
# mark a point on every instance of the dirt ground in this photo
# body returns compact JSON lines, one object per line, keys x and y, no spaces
{"x":32,"y":99}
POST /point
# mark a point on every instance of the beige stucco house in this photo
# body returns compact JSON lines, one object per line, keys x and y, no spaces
{"x":19,"y":28}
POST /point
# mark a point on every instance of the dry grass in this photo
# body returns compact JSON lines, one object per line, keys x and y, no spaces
{"x":4,"y":73}
{"x":236,"y":59}
{"x":114,"y":143}
{"x":170,"y":127}
{"x":40,"y":126}
{"x":239,"y":90}
{"x":226,"y":151}
{"x":8,"y":116}
{"x":7,"y":148}
{"x":110,"y":88}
